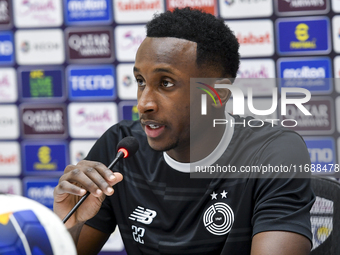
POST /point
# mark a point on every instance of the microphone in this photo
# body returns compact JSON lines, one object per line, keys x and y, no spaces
{"x":127,"y":147}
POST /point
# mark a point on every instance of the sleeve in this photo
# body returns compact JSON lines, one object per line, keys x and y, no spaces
{"x":103,"y":151}
{"x":283,"y":204}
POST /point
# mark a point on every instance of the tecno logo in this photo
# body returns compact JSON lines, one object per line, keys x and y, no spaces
{"x":324,"y":155}
{"x":92,"y":82}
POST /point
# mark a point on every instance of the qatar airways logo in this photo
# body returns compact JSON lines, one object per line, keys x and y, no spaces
{"x":239,"y":102}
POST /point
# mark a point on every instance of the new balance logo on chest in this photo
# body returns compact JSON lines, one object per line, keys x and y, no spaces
{"x":142,"y":215}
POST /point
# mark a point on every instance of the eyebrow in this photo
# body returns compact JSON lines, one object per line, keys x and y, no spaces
{"x":157,"y":70}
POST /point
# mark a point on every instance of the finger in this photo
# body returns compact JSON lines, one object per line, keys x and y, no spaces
{"x":96,"y":177}
{"x":100,"y":167}
{"x":69,"y":188}
{"x":87,"y":178}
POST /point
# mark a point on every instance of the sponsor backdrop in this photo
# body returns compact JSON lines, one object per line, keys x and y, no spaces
{"x":66,"y":76}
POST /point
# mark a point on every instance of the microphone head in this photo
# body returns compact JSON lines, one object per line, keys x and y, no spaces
{"x":128,"y":145}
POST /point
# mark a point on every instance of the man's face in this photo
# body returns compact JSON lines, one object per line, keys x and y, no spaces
{"x":163,"y":69}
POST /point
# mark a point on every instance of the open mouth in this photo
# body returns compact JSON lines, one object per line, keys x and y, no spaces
{"x":152,"y":126}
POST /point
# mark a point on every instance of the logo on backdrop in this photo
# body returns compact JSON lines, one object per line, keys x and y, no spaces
{"x":38,"y":13}
{"x":89,"y":11}
{"x":89,"y":45}
{"x":11,"y":186}
{"x":135,"y":11}
{"x":32,"y":46}
{"x":321,"y":151}
{"x":303,"y":36}
{"x":91,"y":82}
{"x":6,"y":48}
{"x":321,"y":121}
{"x":42,"y":83}
{"x":256,"y":38}
{"x":245,"y":9}
{"x":208,"y":6}
{"x":10,"y":163}
{"x":128,"y":40}
{"x":91,"y":120}
{"x":8,"y":85}
{"x":312,"y":74}
{"x":5,"y":13}
{"x":49,"y":158}
{"x":128,"y":110}
{"x":295,"y":7}
{"x":9,"y":123}
{"x":40,"y":190}
{"x":44,"y":121}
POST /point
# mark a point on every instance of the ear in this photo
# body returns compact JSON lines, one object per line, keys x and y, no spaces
{"x":223,"y":93}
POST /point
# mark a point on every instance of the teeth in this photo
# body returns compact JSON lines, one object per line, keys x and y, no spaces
{"x":153,"y":126}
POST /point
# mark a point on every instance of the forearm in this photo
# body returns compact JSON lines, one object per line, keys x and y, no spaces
{"x":75,"y":232}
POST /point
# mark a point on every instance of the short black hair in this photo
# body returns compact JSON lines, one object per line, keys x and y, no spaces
{"x":216,"y":43}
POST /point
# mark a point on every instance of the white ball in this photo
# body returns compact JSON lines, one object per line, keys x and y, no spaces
{"x":29,"y":228}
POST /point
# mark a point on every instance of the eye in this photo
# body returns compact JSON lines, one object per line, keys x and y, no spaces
{"x":140,"y":82}
{"x":167,"y":84}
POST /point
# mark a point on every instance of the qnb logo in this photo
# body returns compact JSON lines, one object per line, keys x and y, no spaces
{"x":142,"y":215}
{"x":204,"y":97}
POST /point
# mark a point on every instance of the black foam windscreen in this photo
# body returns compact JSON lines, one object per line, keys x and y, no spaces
{"x":130,"y":144}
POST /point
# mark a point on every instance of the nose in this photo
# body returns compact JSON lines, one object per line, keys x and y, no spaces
{"x":147,"y":100}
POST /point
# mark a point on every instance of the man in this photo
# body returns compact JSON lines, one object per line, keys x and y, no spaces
{"x":157,"y":206}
